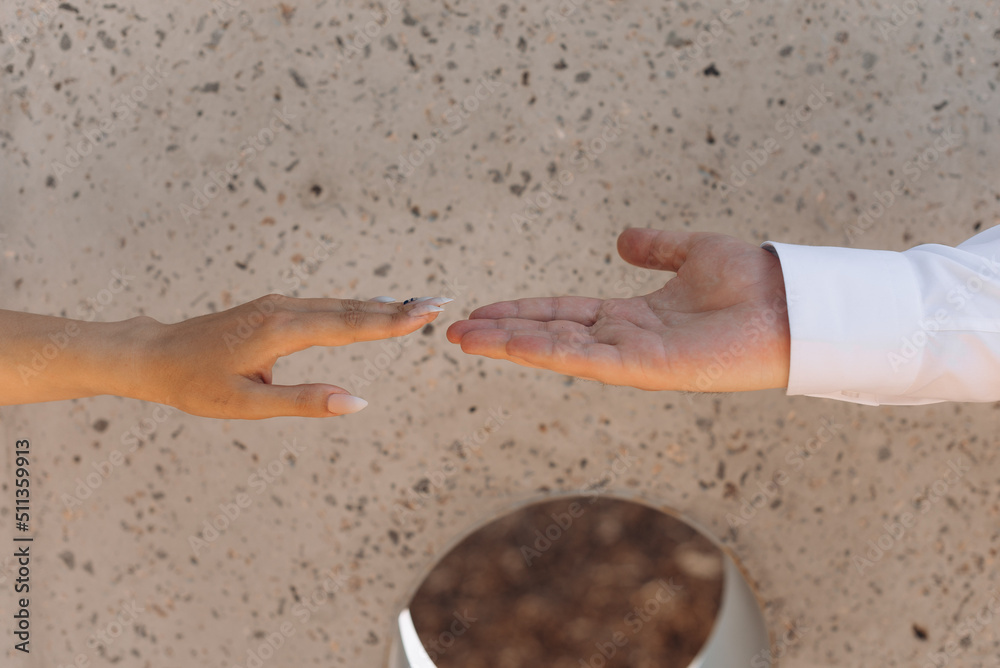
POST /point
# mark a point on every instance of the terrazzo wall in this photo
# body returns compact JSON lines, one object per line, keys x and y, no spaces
{"x":174,"y":159}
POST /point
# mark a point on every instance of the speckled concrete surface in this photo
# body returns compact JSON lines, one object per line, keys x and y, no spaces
{"x":381,"y":172}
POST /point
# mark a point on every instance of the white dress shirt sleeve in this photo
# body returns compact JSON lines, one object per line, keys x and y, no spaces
{"x":881,"y":327}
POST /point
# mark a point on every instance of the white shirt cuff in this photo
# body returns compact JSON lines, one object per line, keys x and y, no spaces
{"x":846,"y":309}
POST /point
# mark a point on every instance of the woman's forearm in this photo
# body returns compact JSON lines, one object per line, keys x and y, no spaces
{"x":46,"y":358}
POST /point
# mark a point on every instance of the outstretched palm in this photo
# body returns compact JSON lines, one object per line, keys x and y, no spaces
{"x":719,"y":325}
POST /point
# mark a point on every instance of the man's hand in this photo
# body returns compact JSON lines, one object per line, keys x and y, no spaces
{"x":719,"y":325}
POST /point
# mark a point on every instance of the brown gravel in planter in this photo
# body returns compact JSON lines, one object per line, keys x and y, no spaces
{"x":614,"y":584}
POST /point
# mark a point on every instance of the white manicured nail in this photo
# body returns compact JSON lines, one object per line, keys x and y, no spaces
{"x":425,"y":309}
{"x":383,"y":300}
{"x":344,"y":404}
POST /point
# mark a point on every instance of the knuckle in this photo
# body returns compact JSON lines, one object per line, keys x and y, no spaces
{"x":274,"y":299}
{"x":144,"y":324}
{"x":303,"y":402}
{"x":269,"y":305}
{"x":354,"y":315}
{"x":354,"y":319}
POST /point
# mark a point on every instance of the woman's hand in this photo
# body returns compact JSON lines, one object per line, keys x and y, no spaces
{"x":219,"y":365}
{"x":216,"y":365}
{"x":720,"y":325}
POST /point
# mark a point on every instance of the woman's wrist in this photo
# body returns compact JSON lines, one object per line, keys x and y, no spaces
{"x":128,"y":349}
{"x":100,"y":358}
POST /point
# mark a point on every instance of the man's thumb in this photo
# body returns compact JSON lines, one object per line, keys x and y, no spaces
{"x":665,"y":250}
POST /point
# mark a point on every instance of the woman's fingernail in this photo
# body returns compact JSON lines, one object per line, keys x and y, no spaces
{"x":344,"y":404}
{"x":436,"y":301}
{"x":383,"y":300}
{"x":425,"y":309}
